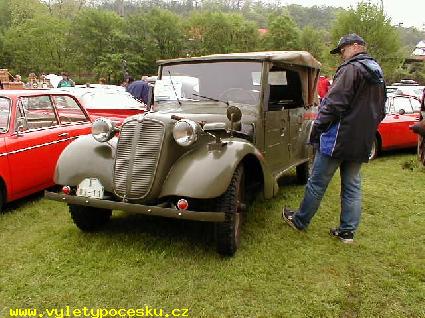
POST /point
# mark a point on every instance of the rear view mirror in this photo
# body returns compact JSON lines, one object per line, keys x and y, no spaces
{"x":20,"y":125}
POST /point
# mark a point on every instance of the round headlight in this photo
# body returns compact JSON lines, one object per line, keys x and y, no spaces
{"x":185,"y":132}
{"x":103,"y":129}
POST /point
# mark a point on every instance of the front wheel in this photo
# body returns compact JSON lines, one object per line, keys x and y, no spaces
{"x":88,"y":218}
{"x":232,"y":202}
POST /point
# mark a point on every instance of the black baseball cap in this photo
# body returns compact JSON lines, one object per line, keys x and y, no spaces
{"x":346,"y":40}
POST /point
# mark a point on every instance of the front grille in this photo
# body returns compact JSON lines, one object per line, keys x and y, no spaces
{"x":137,"y":156}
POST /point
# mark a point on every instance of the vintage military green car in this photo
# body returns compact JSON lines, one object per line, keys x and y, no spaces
{"x":222,"y":128}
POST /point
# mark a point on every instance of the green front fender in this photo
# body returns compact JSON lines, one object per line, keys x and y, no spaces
{"x":204,"y":174}
{"x":86,"y":158}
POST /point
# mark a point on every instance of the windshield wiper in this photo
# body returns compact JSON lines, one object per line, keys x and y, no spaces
{"x":174,"y":89}
{"x":213,"y":99}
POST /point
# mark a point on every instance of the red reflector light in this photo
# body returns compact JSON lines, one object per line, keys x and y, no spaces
{"x":66,"y":190}
{"x":182,"y":204}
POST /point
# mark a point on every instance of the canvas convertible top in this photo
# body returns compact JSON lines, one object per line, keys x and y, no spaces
{"x":301,"y":58}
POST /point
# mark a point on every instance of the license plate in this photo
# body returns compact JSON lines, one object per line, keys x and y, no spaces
{"x":90,"y":188}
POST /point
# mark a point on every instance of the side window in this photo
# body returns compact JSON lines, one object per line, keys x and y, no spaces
{"x":38,"y":112}
{"x":68,"y":109}
{"x":285,"y":89}
{"x":4,"y":114}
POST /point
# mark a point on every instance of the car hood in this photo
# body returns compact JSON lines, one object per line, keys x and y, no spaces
{"x":206,"y":112}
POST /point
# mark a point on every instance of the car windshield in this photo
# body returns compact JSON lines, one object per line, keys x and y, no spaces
{"x":4,"y":113}
{"x":237,"y":82}
{"x":110,"y":100}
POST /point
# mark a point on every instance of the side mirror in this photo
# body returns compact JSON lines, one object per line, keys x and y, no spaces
{"x":20,"y":126}
{"x":402,"y":111}
{"x":234,"y":114}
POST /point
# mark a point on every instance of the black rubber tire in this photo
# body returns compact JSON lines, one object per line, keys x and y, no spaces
{"x":88,"y":218}
{"x":374,"y":152}
{"x":303,"y":172}
{"x":421,"y":150}
{"x":232,"y":202}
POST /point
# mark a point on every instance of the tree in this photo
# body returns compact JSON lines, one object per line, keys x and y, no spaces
{"x":283,"y":33}
{"x":369,"y":21}
{"x":95,"y":34}
{"x":217,"y":32}
{"x":37,"y":45}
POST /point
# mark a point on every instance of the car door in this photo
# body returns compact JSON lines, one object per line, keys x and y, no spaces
{"x":5,"y":113}
{"x":73,"y":119}
{"x":395,"y":131}
{"x":32,"y":146}
{"x":276,"y":127}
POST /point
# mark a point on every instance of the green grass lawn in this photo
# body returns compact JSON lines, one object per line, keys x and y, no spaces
{"x":46,"y":262}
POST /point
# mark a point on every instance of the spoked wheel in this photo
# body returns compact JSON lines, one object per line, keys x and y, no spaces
{"x":421,"y":150}
{"x":232,"y":202}
{"x":88,"y":218}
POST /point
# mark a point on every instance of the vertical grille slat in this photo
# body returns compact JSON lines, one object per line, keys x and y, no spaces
{"x":137,"y":156}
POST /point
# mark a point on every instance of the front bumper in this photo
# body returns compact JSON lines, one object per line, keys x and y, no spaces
{"x":137,"y":208}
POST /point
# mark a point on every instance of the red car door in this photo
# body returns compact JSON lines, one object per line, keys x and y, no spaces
{"x":394,"y":129}
{"x":33,"y":145}
{"x":73,"y":119}
{"x":5,"y":109}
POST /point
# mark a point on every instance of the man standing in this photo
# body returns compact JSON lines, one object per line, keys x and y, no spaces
{"x":342,"y":134}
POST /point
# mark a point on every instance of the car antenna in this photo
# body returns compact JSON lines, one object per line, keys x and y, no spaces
{"x":174,"y":89}
{"x":213,"y":99}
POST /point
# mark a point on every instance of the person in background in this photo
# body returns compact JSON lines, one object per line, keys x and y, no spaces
{"x":139,"y":89}
{"x":323,"y":86}
{"x":18,"y":78}
{"x":66,"y":81}
{"x":32,"y":81}
{"x":102,"y":81}
{"x":343,"y":133}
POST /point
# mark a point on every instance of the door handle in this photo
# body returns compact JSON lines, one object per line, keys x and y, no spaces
{"x":63,"y":135}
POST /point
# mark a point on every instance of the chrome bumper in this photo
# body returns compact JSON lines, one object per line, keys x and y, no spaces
{"x":137,"y":208}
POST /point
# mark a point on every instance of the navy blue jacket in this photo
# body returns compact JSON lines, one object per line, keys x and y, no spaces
{"x":140,"y":90}
{"x":350,"y":113}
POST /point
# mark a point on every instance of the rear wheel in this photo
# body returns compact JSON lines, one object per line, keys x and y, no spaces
{"x":88,"y":218}
{"x":232,"y":202}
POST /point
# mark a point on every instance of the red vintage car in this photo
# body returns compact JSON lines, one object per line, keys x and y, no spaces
{"x":35,"y":126}
{"x":402,"y":111}
{"x":115,"y":104}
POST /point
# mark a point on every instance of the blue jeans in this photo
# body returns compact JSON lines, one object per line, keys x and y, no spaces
{"x":324,"y":168}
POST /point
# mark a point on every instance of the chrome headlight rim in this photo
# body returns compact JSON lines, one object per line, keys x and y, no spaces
{"x":103,"y":129}
{"x":190,"y":127}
